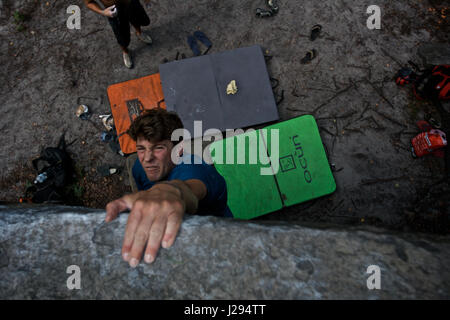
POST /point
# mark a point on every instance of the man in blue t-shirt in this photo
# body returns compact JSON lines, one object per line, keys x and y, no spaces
{"x":166,"y":189}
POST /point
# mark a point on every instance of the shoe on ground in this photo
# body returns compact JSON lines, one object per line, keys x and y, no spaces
{"x":127,"y":60}
{"x":261,"y":13}
{"x":145,"y":38}
{"x":273,"y":5}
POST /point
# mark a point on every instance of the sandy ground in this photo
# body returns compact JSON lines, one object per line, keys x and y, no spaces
{"x":366,"y":121}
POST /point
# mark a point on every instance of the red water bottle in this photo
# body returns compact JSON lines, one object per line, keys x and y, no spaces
{"x":428,"y":142}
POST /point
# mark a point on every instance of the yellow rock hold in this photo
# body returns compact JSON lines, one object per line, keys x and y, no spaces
{"x":232,"y":88}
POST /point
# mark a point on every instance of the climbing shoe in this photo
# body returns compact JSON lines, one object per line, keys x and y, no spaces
{"x":261,"y":13}
{"x":273,"y":5}
{"x":310,"y":55}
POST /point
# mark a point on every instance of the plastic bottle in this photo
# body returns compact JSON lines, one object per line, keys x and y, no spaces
{"x":41,"y":177}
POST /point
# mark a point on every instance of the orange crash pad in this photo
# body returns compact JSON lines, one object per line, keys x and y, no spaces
{"x":128,"y":99}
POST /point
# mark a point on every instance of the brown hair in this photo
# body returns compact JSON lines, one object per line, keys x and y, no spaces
{"x":155,"y":125}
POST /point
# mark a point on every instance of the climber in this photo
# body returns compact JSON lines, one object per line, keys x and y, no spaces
{"x":166,"y":190}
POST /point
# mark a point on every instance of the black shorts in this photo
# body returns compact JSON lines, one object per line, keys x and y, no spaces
{"x":133,"y":14}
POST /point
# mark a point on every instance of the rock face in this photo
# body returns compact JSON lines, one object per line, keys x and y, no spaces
{"x":213,"y":258}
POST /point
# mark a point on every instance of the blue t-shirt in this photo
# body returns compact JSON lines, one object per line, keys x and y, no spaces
{"x":215,"y":201}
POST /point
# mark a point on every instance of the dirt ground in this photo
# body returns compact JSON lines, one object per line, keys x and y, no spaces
{"x":366,"y":120}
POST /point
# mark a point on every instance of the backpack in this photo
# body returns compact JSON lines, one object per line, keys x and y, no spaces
{"x":54,"y":171}
{"x":433,"y":83}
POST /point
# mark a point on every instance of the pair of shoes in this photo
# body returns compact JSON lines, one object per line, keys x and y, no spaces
{"x":310,"y":55}
{"x":273,"y":9}
{"x":193,"y":43}
{"x":144,"y":37}
{"x":127,"y":60}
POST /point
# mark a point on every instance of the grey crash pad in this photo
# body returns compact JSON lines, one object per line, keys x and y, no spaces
{"x":195,"y":88}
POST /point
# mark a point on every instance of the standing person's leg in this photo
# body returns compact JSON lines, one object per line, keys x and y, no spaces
{"x":121,"y":29}
{"x":139,"y":18}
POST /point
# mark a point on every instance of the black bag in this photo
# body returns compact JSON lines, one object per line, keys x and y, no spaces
{"x":54,"y":168}
{"x":433,"y":83}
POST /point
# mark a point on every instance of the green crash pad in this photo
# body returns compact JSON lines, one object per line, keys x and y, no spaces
{"x":299,"y":170}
